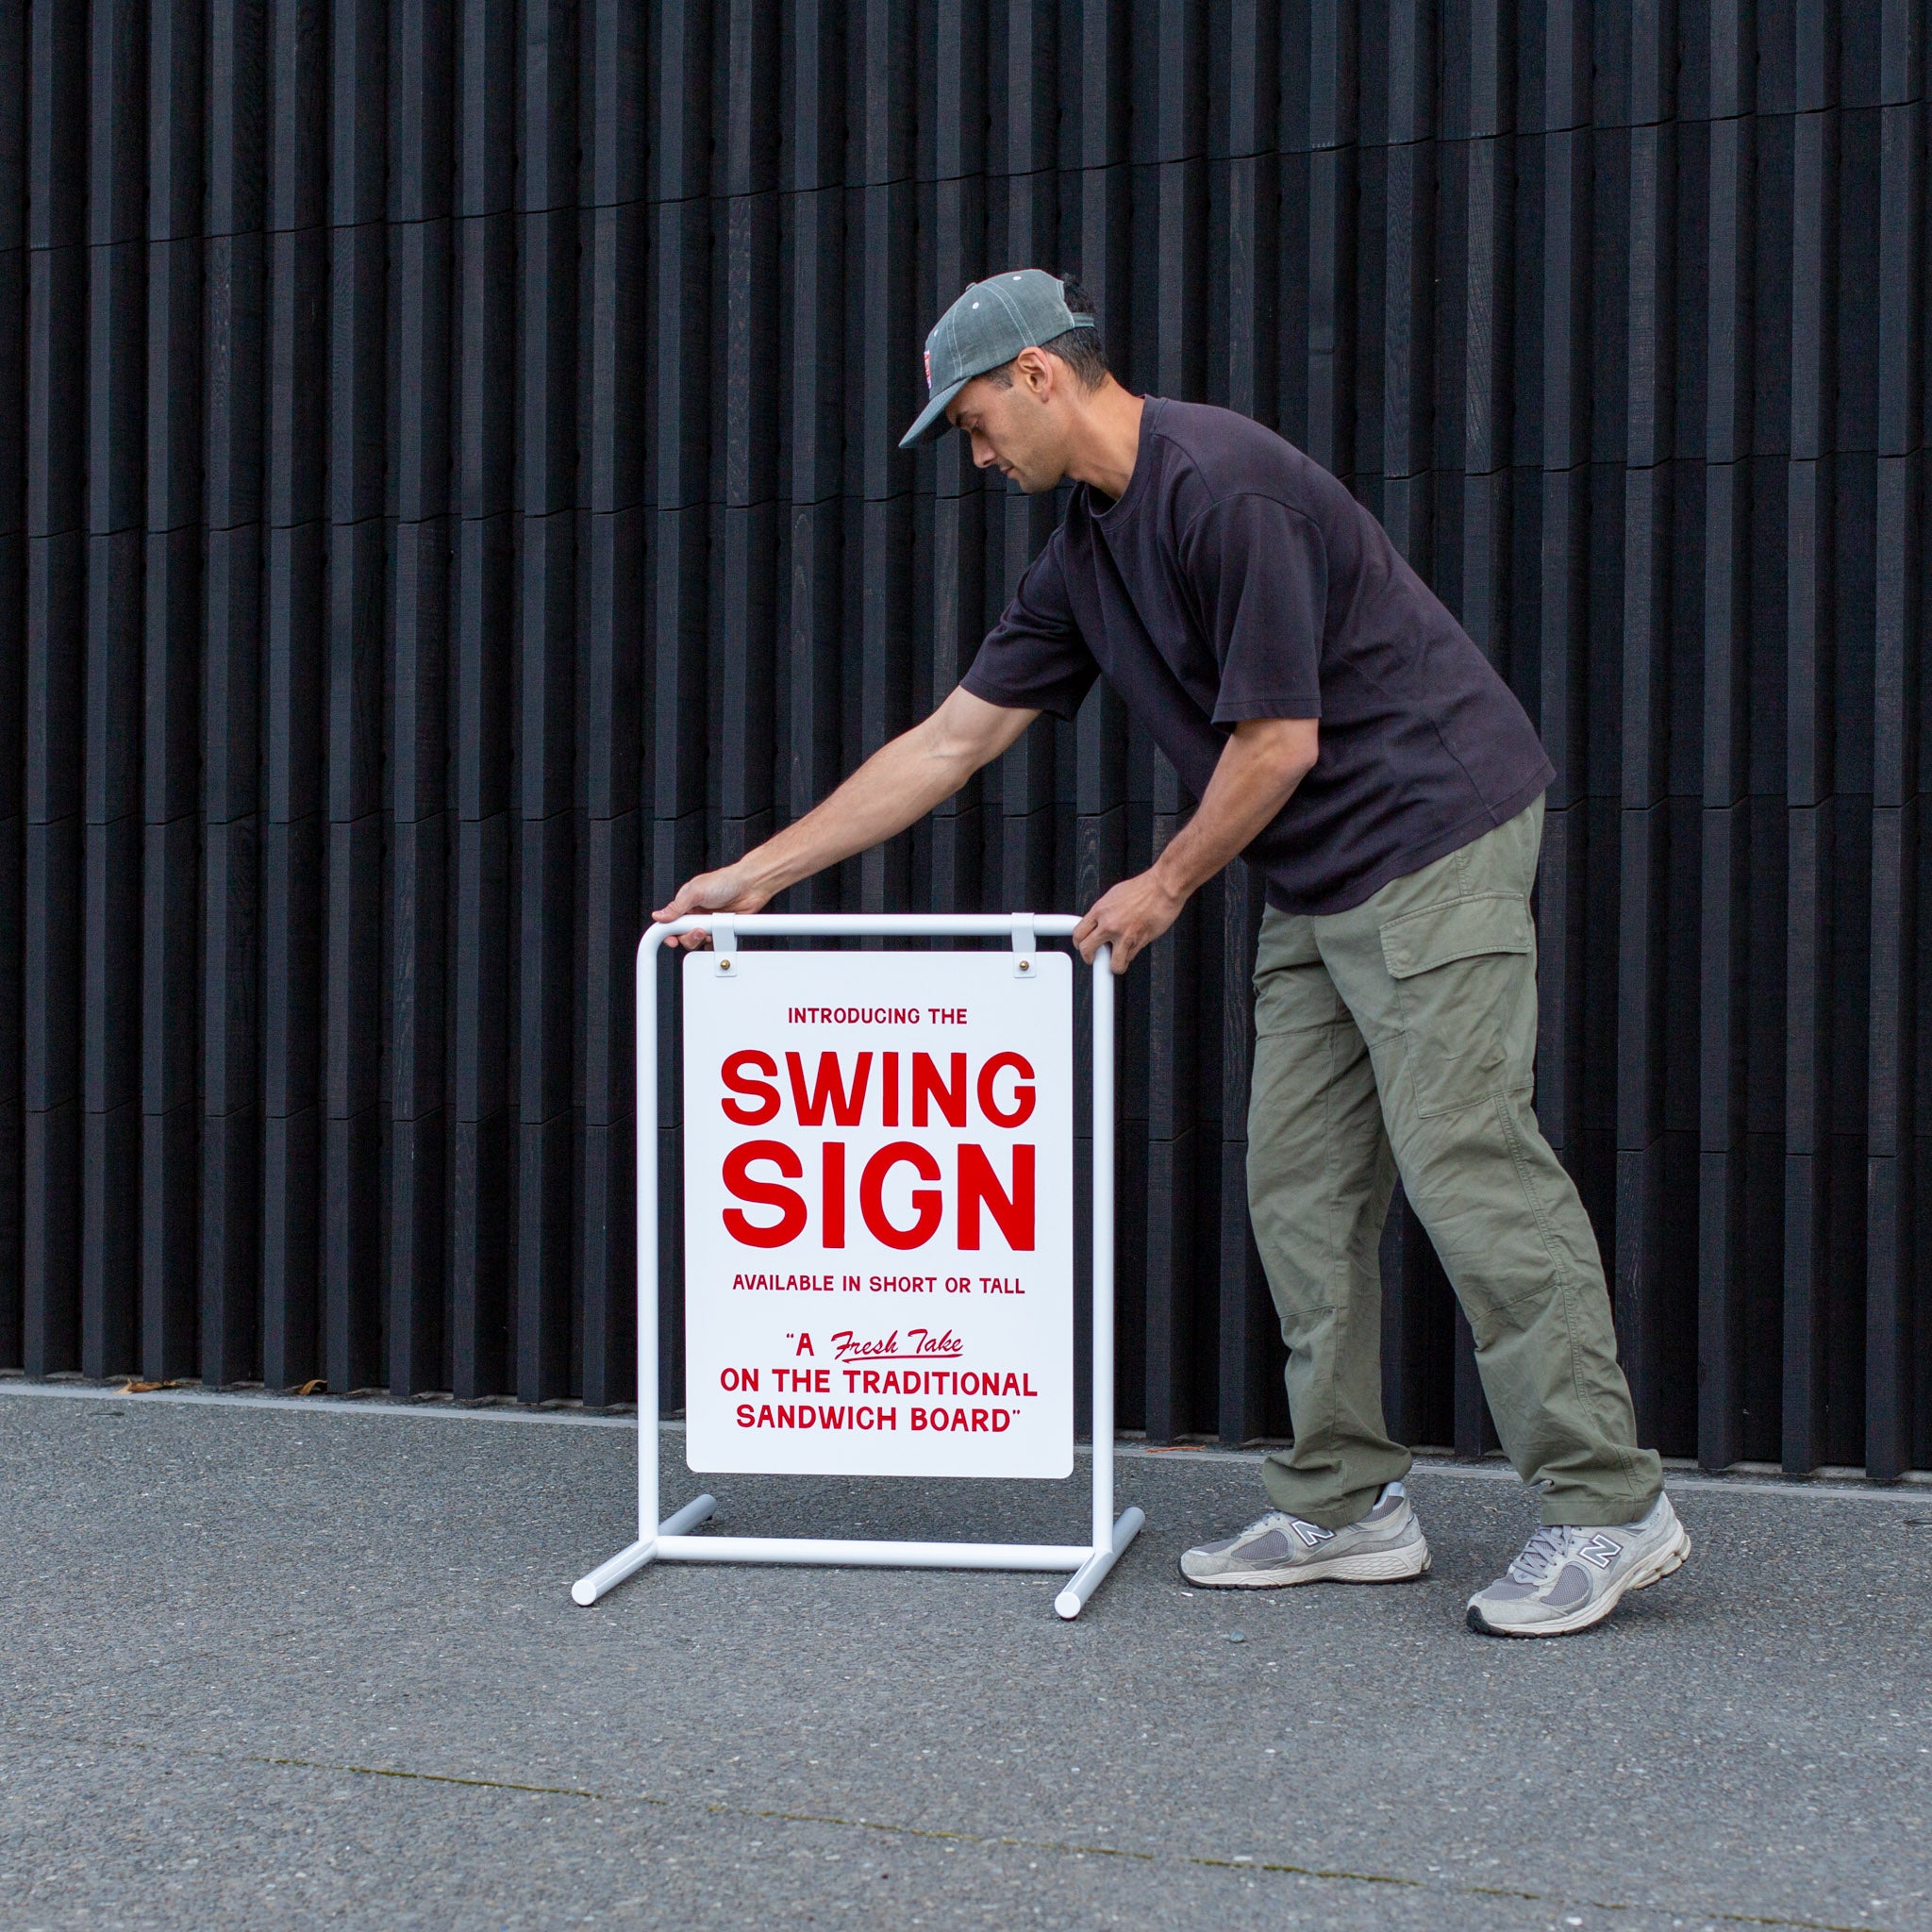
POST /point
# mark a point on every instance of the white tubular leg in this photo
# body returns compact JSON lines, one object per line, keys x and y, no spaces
{"x":866,"y":1553}
{"x":607,"y":1577}
{"x":645,"y":1046}
{"x":699,"y":1509}
{"x":1088,"y":1577}
{"x":1104,"y":1525}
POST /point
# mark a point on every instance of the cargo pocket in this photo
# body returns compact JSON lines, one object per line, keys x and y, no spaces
{"x":1466,"y":998}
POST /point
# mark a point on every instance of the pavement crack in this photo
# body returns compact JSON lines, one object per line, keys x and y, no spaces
{"x":446,"y":1777}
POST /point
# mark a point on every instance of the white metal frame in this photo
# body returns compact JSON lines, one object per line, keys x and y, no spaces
{"x":668,"y":1540}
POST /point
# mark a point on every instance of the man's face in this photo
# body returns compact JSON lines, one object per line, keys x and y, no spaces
{"x":1019,"y":429}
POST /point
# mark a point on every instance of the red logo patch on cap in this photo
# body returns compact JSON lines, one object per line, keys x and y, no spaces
{"x":928,"y":372}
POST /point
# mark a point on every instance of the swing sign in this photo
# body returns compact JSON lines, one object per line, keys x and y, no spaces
{"x":878,"y":1203}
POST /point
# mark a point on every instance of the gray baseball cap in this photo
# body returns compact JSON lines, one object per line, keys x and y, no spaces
{"x":985,"y":329}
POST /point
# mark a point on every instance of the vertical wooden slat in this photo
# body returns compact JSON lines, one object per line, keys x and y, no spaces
{"x":485,"y":329}
{"x":13,"y":445}
{"x":613,"y":181}
{"x":1487,"y":183}
{"x":116,"y":389}
{"x":231,"y":698}
{"x":1727,"y":632}
{"x":1181,"y":1291}
{"x":170,"y":938}
{"x":1331,"y":218}
{"x":1251,"y":176}
{"x":956,"y":116}
{"x":1809,"y":815}
{"x":415,"y":1123}
{"x":358,"y":562}
{"x":748,"y":522}
{"x":1022,"y":232}
{"x":681,"y":245}
{"x":1102,"y":156}
{"x":295,"y":648}
{"x":544,"y":831}
{"x":882,"y":398}
{"x":56,"y":633}
{"x":1408,"y":277}
{"x":681,"y":370}
{"x":1892,"y":1334}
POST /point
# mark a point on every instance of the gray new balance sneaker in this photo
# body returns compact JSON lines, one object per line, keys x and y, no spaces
{"x":1386,"y":1546}
{"x":1567,"y":1580}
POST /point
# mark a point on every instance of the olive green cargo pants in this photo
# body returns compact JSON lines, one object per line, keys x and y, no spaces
{"x":1400,"y":1036}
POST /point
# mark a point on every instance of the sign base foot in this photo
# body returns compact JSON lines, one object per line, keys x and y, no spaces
{"x":673,"y":1545}
{"x":1087,"y":1578}
{"x":608,"y":1576}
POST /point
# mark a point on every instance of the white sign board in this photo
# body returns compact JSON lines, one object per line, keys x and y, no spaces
{"x":879,"y":1206}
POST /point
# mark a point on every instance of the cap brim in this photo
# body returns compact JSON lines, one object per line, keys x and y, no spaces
{"x":932,"y":419}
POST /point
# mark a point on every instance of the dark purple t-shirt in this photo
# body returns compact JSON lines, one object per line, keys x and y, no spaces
{"x":1237,"y":578}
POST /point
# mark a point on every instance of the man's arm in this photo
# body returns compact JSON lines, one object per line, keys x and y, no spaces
{"x":896,"y":787}
{"x":1259,"y":767}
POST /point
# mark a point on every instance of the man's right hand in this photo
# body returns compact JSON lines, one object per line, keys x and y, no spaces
{"x":727,"y":890}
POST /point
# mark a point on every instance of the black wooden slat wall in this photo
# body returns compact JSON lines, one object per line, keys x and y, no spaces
{"x":449,"y":490}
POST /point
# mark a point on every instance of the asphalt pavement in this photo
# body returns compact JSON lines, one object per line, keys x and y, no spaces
{"x":290,"y":1664}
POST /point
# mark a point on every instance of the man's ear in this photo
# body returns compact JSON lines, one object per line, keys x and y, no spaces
{"x":1037,"y":366}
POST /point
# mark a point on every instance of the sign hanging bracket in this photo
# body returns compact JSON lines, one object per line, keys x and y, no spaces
{"x":1025,"y":947}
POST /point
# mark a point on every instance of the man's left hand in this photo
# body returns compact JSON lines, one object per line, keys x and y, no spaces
{"x":1260,"y":765}
{"x":1128,"y":917}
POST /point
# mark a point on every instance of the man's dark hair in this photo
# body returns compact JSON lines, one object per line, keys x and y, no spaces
{"x":1080,"y":349}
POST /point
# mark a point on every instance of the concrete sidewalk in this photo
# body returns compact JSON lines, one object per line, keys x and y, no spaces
{"x":280,"y":1664}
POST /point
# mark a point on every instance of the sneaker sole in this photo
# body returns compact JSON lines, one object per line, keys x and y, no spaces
{"x":1403,"y":1564}
{"x":1661,"y":1563}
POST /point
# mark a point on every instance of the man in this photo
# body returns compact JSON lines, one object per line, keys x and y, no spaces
{"x":1343,"y":733}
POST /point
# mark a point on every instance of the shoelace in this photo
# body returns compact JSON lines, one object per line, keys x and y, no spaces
{"x":1276,"y":1519}
{"x":1543,"y":1553}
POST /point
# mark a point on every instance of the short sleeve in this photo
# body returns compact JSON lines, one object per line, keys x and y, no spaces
{"x":1260,"y":571}
{"x":1035,"y":657}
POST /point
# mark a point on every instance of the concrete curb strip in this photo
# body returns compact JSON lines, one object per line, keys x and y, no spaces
{"x":1847,"y":1487}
